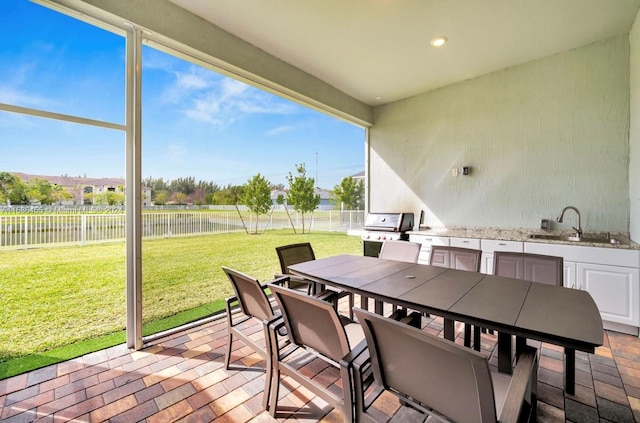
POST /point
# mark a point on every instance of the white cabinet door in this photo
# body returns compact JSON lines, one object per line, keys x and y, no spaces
{"x":427,"y":241}
{"x":489,"y":246}
{"x":570,"y":280}
{"x":614,"y":289}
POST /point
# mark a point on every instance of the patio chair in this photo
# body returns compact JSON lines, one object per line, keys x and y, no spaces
{"x":441,"y":378}
{"x":254,"y":305}
{"x":531,"y":267}
{"x":401,"y":251}
{"x":461,"y":259}
{"x":291,"y":254}
{"x":315,"y":330}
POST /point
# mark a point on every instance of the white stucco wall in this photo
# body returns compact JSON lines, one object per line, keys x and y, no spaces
{"x":539,"y":136}
{"x":634,"y":132}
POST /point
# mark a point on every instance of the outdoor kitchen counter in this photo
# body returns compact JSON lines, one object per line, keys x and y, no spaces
{"x":523,"y":235}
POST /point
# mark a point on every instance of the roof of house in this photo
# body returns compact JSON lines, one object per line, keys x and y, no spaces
{"x":71,"y":181}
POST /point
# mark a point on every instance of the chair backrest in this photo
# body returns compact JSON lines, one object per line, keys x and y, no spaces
{"x":529,"y":267}
{"x":452,"y":380}
{"x":251,"y":297}
{"x":455,"y":258}
{"x":311,"y":322}
{"x":401,"y":251}
{"x":294,"y":254}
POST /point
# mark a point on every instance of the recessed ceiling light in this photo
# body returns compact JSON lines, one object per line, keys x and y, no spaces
{"x":378,"y":98}
{"x":439,"y":41}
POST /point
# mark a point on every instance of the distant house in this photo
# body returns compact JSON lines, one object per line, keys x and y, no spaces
{"x":79,"y":187}
{"x":359,"y":175}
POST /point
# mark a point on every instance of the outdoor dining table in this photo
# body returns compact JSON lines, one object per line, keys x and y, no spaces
{"x":556,"y":315}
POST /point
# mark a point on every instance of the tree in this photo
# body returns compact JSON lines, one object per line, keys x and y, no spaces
{"x":302,"y":193}
{"x":161,"y":197}
{"x":349,"y":194}
{"x":12,"y":189}
{"x":257,"y":196}
{"x":39,"y":190}
{"x":184,"y":185}
{"x":109,"y":198}
{"x":180,"y":197}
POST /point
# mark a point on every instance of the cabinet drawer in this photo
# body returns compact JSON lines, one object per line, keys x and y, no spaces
{"x":473,"y":243}
{"x":491,"y":245}
{"x":427,"y":240}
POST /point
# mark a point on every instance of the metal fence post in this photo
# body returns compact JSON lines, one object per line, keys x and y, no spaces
{"x":26,"y":231}
{"x":83,"y":229}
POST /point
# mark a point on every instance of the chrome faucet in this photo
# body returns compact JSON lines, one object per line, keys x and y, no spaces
{"x":579,"y":228}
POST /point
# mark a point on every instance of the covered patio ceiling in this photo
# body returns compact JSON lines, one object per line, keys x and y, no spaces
{"x":378,"y":51}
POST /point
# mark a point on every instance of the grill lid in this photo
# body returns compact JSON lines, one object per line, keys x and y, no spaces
{"x":393,"y":222}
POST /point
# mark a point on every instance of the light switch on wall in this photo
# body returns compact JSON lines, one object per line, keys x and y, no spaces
{"x":455,"y":171}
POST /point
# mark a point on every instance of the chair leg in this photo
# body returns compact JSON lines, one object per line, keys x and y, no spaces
{"x":351,"y":304}
{"x":271,"y":347}
{"x":227,"y":359}
{"x":275,"y":390}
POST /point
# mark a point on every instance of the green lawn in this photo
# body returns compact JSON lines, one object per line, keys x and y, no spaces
{"x":63,"y":302}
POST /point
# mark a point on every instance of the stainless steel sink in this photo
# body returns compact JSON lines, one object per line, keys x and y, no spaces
{"x":573,"y":238}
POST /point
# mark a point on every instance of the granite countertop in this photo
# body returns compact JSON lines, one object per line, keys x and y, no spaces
{"x":524,"y":234}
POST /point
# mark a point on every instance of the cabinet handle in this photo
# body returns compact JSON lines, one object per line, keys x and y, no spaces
{"x":465,"y":242}
{"x":502,"y":244}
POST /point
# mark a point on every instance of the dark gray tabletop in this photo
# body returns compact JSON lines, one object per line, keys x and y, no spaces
{"x":571,"y":313}
{"x":564,"y":316}
{"x":494,"y":299}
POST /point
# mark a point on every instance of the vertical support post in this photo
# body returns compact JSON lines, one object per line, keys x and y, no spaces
{"x":133,"y":187}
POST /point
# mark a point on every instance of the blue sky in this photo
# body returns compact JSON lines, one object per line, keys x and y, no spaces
{"x":195,"y":122}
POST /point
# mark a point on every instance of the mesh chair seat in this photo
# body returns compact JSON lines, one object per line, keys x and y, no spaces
{"x":314,"y":328}
{"x":438,"y":377}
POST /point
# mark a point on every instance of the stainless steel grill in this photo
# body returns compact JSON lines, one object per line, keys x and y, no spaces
{"x":380,"y":227}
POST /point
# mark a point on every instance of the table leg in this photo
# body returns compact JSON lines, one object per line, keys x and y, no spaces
{"x":504,"y":353}
{"x":364,"y":302}
{"x":467,"y":335}
{"x":521,"y":343}
{"x":570,"y":371}
{"x":477,"y":342}
{"x":449,"y":330}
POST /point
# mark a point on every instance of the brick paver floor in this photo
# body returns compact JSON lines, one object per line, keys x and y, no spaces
{"x":182,"y":377}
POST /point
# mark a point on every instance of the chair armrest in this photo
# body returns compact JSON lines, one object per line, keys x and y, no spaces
{"x":349,"y":359}
{"x":281,"y":280}
{"x":522,"y":383}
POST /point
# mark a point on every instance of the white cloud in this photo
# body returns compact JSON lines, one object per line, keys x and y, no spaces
{"x":228,"y":101}
{"x":280,"y":130}
{"x":9,"y":95}
{"x":191,"y":81}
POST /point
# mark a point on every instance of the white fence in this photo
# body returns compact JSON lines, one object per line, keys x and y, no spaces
{"x":38,"y":230}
